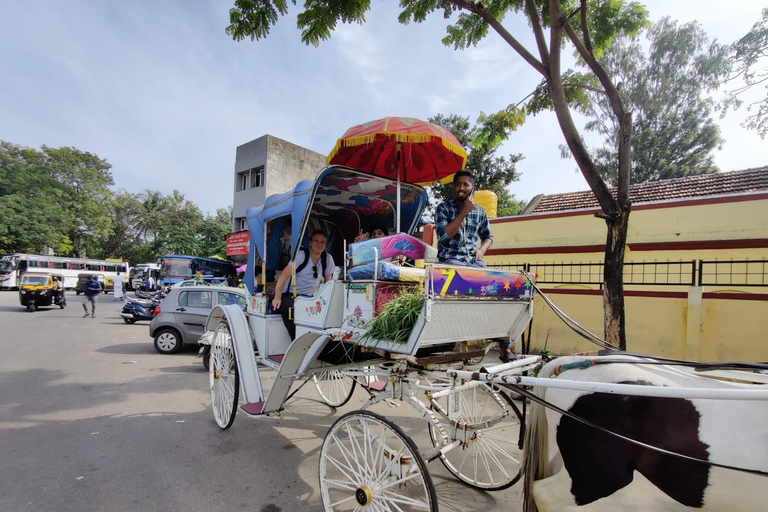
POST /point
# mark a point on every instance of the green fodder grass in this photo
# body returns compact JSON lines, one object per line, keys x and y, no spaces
{"x":397,"y":317}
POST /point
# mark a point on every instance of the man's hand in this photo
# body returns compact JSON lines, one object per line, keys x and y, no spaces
{"x":276,"y":302}
{"x":467,"y":206}
{"x":479,"y":253}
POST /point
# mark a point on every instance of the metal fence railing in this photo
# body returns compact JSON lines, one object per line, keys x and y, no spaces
{"x":654,"y":273}
{"x":733,"y":273}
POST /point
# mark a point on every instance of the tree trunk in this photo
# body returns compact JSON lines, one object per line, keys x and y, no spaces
{"x":613,"y":279}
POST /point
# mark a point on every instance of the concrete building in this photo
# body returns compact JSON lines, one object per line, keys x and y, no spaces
{"x":267,"y":166}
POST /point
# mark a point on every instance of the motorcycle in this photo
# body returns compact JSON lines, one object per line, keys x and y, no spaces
{"x":40,"y":289}
{"x":135,"y":310}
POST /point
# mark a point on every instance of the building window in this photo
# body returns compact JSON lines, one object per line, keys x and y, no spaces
{"x":242,"y":180}
{"x":257,"y":177}
{"x":242,"y":225}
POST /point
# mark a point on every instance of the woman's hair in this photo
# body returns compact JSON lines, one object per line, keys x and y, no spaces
{"x":378,"y":226}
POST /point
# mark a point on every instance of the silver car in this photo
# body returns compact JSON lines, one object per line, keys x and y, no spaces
{"x":184,"y":311}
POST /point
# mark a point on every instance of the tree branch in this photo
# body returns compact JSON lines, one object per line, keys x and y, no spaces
{"x":538,"y":30}
{"x":572,"y":138}
{"x":499,"y":28}
{"x":585,"y":27}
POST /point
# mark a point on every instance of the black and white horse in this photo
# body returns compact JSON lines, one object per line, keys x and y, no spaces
{"x":703,"y":446}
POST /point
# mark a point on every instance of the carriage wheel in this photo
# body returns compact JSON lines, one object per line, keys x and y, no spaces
{"x":488,"y":458}
{"x":368,"y":462}
{"x":334,"y":387}
{"x":223,"y":377}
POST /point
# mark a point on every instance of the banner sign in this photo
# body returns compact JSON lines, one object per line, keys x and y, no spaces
{"x":237,"y":243}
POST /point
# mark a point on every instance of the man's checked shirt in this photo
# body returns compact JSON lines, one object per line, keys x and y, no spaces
{"x":474,"y":228}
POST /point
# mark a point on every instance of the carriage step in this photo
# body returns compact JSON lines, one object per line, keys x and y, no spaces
{"x":254,"y":408}
{"x":376,"y":385}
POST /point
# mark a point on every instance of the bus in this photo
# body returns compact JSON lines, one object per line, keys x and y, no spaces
{"x":141,"y":272}
{"x":12,"y":266}
{"x":175,"y":268}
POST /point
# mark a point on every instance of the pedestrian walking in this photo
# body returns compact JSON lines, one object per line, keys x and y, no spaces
{"x":117,"y":292}
{"x":92,"y":290}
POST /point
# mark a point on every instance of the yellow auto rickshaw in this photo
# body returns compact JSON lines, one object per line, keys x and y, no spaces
{"x":41,"y":289}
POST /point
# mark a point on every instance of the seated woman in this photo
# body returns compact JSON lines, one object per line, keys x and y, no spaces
{"x":376,"y":231}
{"x":312,"y":267}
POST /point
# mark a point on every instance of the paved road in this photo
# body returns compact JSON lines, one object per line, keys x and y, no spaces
{"x":92,"y":418}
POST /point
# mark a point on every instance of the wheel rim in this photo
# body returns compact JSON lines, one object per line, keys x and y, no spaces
{"x":167,"y":341}
{"x":334,"y":387}
{"x":368,"y":463}
{"x":489,"y":455}
{"x":223,"y":378}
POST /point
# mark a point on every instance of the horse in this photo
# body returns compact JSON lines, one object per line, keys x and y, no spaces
{"x":706,"y":454}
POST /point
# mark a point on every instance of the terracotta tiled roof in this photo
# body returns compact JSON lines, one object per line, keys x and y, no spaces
{"x":733,"y":182}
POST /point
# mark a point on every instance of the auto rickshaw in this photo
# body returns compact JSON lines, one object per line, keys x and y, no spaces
{"x":41,"y":289}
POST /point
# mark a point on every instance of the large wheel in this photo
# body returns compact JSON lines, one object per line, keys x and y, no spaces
{"x":369,"y":463}
{"x":334,"y":387}
{"x":167,"y":341}
{"x":223,"y":377}
{"x":487,"y":422}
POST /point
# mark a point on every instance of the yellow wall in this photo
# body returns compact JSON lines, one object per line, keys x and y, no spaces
{"x":677,"y":321}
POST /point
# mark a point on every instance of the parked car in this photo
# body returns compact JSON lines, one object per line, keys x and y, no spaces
{"x":181,"y":317}
{"x":211,"y":281}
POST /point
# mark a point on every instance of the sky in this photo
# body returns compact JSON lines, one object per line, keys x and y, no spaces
{"x":165,"y":96}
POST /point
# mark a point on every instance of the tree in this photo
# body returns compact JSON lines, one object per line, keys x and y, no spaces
{"x":213,"y":233}
{"x":53,"y":198}
{"x":83,"y":197}
{"x":178,"y":231}
{"x":492,"y":172}
{"x":665,"y":86}
{"x":597,"y":23}
{"x":125,"y":217}
{"x":750,"y":64}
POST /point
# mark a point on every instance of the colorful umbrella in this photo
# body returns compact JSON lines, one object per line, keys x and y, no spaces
{"x":402,"y":148}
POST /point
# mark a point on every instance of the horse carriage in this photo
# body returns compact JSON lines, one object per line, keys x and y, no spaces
{"x":699,"y":439}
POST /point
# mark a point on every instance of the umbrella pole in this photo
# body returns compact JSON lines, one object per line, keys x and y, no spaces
{"x":398,"y":187}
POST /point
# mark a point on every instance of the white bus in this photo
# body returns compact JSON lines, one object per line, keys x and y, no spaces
{"x":13,"y":265}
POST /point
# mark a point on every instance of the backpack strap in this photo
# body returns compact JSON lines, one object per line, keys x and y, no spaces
{"x":306,"y":259}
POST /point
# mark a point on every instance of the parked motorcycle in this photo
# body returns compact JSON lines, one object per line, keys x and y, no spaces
{"x":135,"y":310}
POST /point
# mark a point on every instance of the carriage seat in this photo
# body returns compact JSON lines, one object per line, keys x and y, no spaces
{"x":398,"y":244}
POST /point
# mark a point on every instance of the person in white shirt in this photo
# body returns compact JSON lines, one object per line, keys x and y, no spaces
{"x":313,"y":266}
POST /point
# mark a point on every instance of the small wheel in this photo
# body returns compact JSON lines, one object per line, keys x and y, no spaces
{"x":129,"y":321}
{"x":207,"y":358}
{"x":77,"y":292}
{"x":167,"y":341}
{"x":334,"y":387}
{"x":63,"y":303}
{"x":487,"y":422}
{"x":223,"y":377}
{"x":368,"y":462}
{"x":31,"y":307}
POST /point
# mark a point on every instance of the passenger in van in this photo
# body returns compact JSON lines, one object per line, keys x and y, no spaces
{"x":312,"y":267}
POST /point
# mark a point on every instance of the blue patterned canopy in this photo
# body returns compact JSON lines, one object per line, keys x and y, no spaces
{"x":347,"y":199}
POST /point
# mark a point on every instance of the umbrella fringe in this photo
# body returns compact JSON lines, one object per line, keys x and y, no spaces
{"x":414,"y":138}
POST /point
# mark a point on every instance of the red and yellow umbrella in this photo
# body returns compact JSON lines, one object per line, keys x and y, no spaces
{"x":422,"y":152}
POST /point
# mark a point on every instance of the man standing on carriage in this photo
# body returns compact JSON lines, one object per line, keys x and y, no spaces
{"x":312,"y":266}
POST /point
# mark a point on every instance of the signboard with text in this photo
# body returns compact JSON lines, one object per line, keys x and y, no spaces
{"x":237,"y":243}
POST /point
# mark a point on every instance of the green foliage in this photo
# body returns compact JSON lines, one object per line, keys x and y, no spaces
{"x":749,"y":63}
{"x":665,"y":86}
{"x":397,"y":317}
{"x":491,"y":172}
{"x":53,"y":198}
{"x":60,"y":199}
